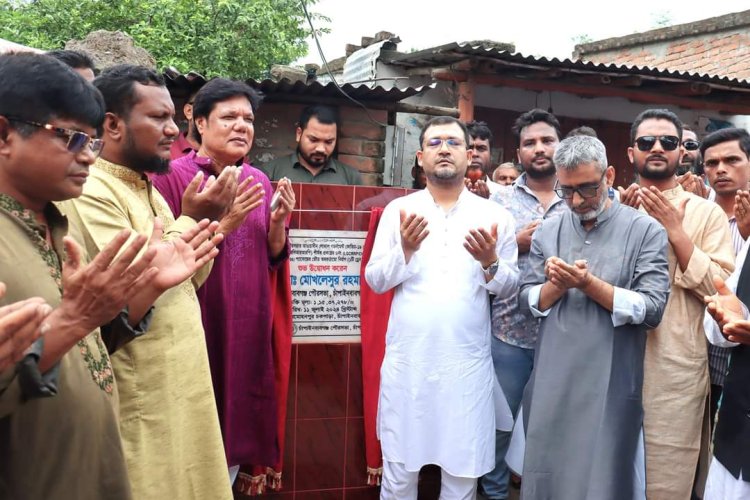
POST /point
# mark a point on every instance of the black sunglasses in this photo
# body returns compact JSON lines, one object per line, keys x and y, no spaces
{"x":77,"y":140}
{"x":691,"y":145}
{"x":668,"y":142}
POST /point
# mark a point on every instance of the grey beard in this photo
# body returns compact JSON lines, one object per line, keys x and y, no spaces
{"x":594,"y":214}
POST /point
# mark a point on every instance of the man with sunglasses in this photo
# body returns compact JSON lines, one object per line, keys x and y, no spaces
{"x":582,"y":412}
{"x":676,"y":383}
{"x":59,"y":432}
{"x":687,"y":173}
{"x":168,"y":417}
{"x":691,"y":154}
{"x":443,"y":250}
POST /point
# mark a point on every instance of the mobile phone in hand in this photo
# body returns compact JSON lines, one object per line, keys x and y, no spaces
{"x":276,"y":198}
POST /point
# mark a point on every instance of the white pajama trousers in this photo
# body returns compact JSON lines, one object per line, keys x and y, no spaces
{"x":401,"y":484}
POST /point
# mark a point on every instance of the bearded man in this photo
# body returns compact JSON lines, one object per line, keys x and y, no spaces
{"x":676,"y":383}
{"x":313,"y":162}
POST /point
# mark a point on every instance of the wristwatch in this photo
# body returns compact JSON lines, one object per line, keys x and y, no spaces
{"x":491,"y":269}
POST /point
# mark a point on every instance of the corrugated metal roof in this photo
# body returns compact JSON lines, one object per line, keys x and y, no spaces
{"x":359,"y":92}
{"x":270,"y":88}
{"x":451,"y":53}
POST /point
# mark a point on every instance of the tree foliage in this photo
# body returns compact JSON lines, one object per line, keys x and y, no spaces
{"x":231,"y":38}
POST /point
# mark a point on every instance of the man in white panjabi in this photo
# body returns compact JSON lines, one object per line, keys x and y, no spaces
{"x":444,"y":251}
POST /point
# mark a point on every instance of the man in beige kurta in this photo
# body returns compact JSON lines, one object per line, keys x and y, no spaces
{"x":676,"y":386}
{"x":168,"y":417}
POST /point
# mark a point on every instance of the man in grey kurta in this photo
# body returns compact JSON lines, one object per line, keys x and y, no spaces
{"x":598,"y":275}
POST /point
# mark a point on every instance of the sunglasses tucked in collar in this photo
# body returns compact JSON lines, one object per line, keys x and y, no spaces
{"x":76,"y":140}
{"x":647,"y":142}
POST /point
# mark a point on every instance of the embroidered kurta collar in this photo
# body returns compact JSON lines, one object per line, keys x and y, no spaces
{"x":121,"y":172}
{"x":673,"y":193}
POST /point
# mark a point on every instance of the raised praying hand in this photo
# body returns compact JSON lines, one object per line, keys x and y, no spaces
{"x":20,"y":326}
{"x":564,"y":275}
{"x":177,"y":260}
{"x":248,"y":198}
{"x":661,"y":209}
{"x":478,"y":187}
{"x":728,"y":311}
{"x":413,"y":229}
{"x":94,"y":294}
{"x":742,"y":212}
{"x":480,"y":243}
{"x":216,"y":197}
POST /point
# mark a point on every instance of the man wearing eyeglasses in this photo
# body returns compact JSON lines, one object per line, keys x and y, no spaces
{"x":676,"y":383}
{"x":530,"y":199}
{"x":59,"y":431}
{"x":597,"y":277}
{"x":443,"y":250}
{"x":168,"y":418}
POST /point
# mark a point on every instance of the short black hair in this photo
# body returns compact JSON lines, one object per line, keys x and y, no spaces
{"x":444,"y":120}
{"x":219,"y":90}
{"x":36,"y":87}
{"x":117,"y":85}
{"x":324,"y":114}
{"x":582,"y":130}
{"x":534,"y":116}
{"x":655,"y":114}
{"x":480,"y":130}
{"x":725,"y":135}
{"x":76,"y":59}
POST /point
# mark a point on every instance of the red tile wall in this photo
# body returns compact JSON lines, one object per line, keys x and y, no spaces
{"x":324,"y":454}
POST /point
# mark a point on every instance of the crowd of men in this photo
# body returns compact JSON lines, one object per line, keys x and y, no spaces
{"x":135,"y":354}
{"x":598,"y":330}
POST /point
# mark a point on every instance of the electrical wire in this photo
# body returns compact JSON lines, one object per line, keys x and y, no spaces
{"x":330,"y":74}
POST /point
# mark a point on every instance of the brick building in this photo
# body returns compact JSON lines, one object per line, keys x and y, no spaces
{"x":718,"y":46}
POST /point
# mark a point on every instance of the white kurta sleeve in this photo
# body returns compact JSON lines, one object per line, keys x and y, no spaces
{"x":506,"y":280}
{"x":710,"y":326}
{"x":387,"y":267}
{"x":534,"y":293}
{"x":628,"y":307}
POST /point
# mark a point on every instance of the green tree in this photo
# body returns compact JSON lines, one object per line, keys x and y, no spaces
{"x":231,"y":38}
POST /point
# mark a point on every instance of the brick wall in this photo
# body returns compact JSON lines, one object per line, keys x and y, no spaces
{"x":360,"y":140}
{"x":725,"y":53}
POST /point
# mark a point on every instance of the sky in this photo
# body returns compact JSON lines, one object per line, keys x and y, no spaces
{"x":539,"y":28}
